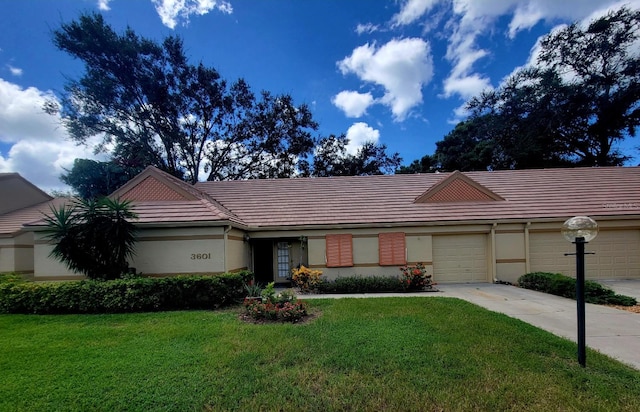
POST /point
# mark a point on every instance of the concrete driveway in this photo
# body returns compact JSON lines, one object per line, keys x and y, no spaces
{"x":611,"y":331}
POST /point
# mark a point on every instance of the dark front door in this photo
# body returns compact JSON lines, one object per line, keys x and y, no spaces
{"x":263,"y":260}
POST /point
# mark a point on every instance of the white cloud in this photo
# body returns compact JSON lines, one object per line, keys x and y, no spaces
{"x":358,"y":134}
{"x":39,"y":148}
{"x":104,"y":5}
{"x":16,"y":71}
{"x":466,"y":86}
{"x":173,"y":11}
{"x":353,"y":104}
{"x":471,"y":19}
{"x":367,"y":28}
{"x":401,"y":66}
{"x":412,"y":10}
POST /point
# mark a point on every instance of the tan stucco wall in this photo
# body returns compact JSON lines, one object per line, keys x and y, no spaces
{"x":171,"y":251}
{"x":237,"y":251}
{"x":45,"y":267}
{"x":158,"y":252}
{"x":16,"y":253}
{"x":365,"y":250}
{"x":509,"y":248}
{"x":7,"y":255}
{"x":510,"y":252}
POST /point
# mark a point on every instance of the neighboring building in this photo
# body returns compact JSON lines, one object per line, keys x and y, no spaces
{"x":465,"y":227}
{"x":20,"y":203}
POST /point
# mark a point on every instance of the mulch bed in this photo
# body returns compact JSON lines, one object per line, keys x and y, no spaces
{"x":634,"y":309}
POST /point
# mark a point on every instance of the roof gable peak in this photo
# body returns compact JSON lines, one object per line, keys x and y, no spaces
{"x":457,"y":187}
{"x":153,"y":184}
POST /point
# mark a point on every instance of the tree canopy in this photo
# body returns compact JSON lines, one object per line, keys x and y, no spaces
{"x":151,"y":106}
{"x":572,"y":108}
{"x":92,"y":179}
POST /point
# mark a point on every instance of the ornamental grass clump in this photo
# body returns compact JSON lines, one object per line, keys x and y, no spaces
{"x":281,"y":307}
{"x":415,"y":277}
{"x":307,"y":280}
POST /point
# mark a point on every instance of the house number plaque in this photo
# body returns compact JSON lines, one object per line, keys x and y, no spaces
{"x":200,"y":256}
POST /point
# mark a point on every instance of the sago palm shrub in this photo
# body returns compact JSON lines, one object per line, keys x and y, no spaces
{"x":93,"y":237}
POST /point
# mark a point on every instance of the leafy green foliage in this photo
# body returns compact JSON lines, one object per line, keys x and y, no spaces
{"x":156,"y":108}
{"x":93,"y":237}
{"x":11,"y":277}
{"x":565,"y":286}
{"x":92,"y":179}
{"x":426,"y":164}
{"x":122,"y":295}
{"x":306,"y":279}
{"x":281,"y":307}
{"x":361,"y":284}
{"x":415,"y":277}
{"x":332,"y":159}
{"x":571,"y":108}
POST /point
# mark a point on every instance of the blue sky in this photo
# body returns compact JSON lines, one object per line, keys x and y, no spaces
{"x":396,"y":72}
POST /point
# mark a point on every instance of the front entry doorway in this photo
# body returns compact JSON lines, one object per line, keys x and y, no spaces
{"x":274,"y":259}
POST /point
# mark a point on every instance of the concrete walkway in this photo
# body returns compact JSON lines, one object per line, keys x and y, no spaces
{"x":611,"y":331}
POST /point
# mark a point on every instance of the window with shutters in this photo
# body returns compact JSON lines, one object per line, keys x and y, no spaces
{"x":392,"y":249}
{"x":339,"y":250}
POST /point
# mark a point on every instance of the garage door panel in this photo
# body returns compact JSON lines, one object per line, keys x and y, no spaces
{"x":617,"y":254}
{"x":460,"y":258}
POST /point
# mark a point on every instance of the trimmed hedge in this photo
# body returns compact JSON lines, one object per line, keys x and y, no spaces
{"x":565,"y":286}
{"x":361,"y":284}
{"x":122,"y":295}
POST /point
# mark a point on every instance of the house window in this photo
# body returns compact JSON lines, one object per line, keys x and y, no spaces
{"x":339,"y":251}
{"x":392,"y":249}
{"x":283,"y":260}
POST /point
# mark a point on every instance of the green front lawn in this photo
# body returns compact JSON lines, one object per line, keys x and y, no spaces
{"x":360,"y":354}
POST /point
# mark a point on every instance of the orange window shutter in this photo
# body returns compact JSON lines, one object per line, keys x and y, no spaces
{"x":392,"y":248}
{"x":346,"y":250}
{"x":339,"y":250}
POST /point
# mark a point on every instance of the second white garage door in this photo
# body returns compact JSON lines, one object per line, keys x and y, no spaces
{"x":460,"y":258}
{"x":617,"y":255}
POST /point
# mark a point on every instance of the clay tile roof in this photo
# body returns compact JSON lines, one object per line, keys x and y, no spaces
{"x":13,"y":222}
{"x":457,"y":187}
{"x":390,"y":199}
{"x":158,"y":197}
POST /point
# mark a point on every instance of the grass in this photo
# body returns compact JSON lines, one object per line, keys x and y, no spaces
{"x":360,"y":354}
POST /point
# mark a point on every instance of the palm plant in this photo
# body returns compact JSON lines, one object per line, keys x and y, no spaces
{"x":93,"y":237}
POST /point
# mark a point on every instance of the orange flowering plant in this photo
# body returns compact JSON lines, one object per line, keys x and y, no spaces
{"x":306,"y":279}
{"x":415,"y":277}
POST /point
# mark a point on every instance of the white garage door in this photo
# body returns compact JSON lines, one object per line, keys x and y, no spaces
{"x":617,"y":254}
{"x":460,"y":258}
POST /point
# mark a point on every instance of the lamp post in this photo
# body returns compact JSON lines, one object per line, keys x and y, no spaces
{"x":580,"y":230}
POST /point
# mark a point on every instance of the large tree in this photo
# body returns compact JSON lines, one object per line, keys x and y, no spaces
{"x":92,"y":179}
{"x":579,"y":100}
{"x":152,"y":107}
{"x":331,"y":158}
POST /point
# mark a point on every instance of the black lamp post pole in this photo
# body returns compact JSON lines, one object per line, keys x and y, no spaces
{"x":582,"y":356}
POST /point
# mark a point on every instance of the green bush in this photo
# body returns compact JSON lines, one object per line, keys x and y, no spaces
{"x":122,"y":295}
{"x":565,"y":286}
{"x":11,"y":277}
{"x":361,"y":284}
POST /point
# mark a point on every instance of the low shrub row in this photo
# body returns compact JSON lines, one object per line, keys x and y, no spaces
{"x":361,"y":284}
{"x":122,"y":295}
{"x":565,"y":286}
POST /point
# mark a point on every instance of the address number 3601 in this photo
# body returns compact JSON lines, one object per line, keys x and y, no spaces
{"x":200,"y":256}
